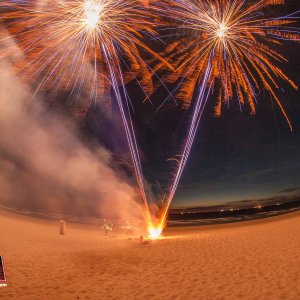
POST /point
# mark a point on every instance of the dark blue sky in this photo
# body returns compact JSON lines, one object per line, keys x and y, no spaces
{"x":241,"y":157}
{"x":235,"y":157}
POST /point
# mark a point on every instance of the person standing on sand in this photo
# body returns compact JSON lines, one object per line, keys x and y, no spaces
{"x":129,"y":228}
{"x":62,"y":227}
{"x":107,"y":228}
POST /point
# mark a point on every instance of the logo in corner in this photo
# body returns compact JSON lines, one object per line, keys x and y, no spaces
{"x":2,"y":271}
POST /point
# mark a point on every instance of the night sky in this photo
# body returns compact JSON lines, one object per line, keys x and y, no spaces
{"x":235,"y":157}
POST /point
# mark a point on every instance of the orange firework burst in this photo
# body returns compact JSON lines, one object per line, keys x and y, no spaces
{"x":228,"y":46}
{"x":72,"y":43}
{"x":234,"y":40}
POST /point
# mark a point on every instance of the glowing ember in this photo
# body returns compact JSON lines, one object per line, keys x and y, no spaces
{"x":155,"y":232}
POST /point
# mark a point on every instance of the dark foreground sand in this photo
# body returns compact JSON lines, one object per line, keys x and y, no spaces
{"x":250,"y":260}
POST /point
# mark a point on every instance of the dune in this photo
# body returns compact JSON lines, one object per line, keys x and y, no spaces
{"x":247,"y":260}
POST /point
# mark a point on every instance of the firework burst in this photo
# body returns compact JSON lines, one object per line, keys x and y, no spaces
{"x":67,"y":43}
{"x":238,"y":43}
{"x":231,"y":47}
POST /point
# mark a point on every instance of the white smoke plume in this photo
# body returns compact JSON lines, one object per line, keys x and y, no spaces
{"x":45,"y":167}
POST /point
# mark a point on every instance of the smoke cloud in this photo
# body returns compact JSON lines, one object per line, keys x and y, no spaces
{"x":45,"y":167}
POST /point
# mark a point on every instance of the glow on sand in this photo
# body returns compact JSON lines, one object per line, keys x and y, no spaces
{"x":155,"y":232}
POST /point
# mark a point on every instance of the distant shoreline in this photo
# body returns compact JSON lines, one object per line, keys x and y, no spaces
{"x":226,"y":220}
{"x":182,"y":220}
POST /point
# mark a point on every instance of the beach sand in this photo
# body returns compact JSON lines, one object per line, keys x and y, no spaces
{"x":247,"y":260}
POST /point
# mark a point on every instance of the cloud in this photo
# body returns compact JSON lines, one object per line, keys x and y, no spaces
{"x":289,"y":190}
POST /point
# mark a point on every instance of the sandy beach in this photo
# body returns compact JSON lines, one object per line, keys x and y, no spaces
{"x":247,"y":260}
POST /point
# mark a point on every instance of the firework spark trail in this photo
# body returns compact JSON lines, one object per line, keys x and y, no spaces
{"x":228,"y":47}
{"x":129,"y":129}
{"x":196,"y":117}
